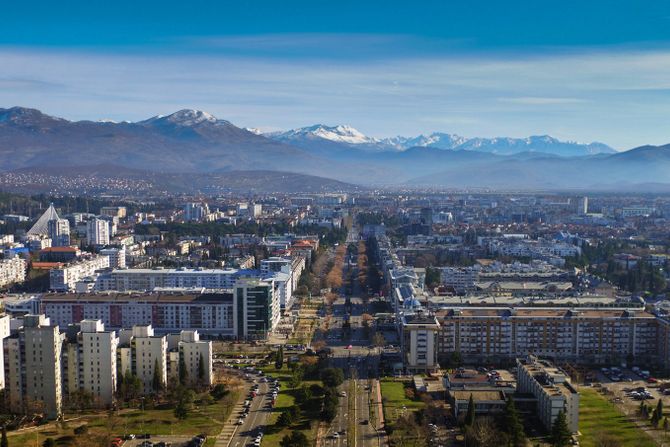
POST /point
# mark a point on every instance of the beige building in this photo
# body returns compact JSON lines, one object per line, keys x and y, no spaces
{"x":552,"y":389}
{"x":148,"y":351}
{"x":192,"y":350}
{"x":33,"y":367}
{"x":92,"y":362}
{"x":584,"y":335}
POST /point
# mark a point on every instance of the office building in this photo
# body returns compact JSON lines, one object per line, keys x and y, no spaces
{"x":257,"y":308}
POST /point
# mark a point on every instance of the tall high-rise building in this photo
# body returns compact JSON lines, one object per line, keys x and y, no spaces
{"x":33,"y":367}
{"x":148,"y":352}
{"x":258,"y":308}
{"x":97,"y":232}
{"x":59,"y":232}
{"x":583,"y":205}
{"x":195,"y":211}
{"x":196,"y":356}
{"x":92,"y":362}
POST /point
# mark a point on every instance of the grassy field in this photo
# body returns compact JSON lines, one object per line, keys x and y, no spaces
{"x":394,"y":399}
{"x":206,"y":419}
{"x":597,"y":417}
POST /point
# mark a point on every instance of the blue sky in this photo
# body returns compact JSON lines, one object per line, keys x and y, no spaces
{"x":589,"y":70}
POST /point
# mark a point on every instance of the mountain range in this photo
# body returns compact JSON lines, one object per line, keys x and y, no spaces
{"x":191,"y":141}
{"x":319,"y":134}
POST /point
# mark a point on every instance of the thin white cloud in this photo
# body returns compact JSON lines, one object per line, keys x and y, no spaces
{"x":536,"y":100}
{"x":617,"y":97}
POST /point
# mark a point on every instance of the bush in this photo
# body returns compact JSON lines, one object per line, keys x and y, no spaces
{"x":81,"y":430}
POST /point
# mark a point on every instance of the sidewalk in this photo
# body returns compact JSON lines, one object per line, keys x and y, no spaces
{"x":229,"y":428}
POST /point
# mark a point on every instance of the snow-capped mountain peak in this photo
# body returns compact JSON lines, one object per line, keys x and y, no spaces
{"x":186,"y":118}
{"x":340,"y":134}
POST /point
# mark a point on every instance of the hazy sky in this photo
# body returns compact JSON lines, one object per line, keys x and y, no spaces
{"x":579,"y":70}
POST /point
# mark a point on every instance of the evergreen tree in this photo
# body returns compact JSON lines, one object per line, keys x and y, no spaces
{"x":560,"y":432}
{"x":183,"y":373}
{"x":512,"y":425}
{"x":470,"y":415}
{"x":666,"y":424}
{"x":3,"y":441}
{"x":201,"y":369}
{"x":279,"y":358}
{"x":659,"y":410}
{"x":157,"y":381}
{"x":654,"y":418}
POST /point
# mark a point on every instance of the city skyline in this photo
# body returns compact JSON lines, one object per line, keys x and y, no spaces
{"x":582,"y":72}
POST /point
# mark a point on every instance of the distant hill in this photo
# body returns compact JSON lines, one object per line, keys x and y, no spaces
{"x":107,"y":178}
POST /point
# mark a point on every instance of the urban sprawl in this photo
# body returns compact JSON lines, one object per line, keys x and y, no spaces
{"x":344,"y":319}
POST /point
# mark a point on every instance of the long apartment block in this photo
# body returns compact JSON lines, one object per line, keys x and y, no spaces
{"x":577,"y":335}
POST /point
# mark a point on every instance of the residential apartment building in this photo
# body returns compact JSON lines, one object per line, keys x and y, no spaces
{"x":123,"y":280}
{"x":552,"y":389}
{"x":65,"y":278}
{"x":211,"y":312}
{"x":59,"y":232}
{"x":461,"y":279}
{"x":12,"y":271}
{"x":91,"y":362}
{"x":33,"y":367}
{"x":98,"y":232}
{"x":196,"y":356}
{"x":148,"y":352}
{"x":584,"y":335}
{"x":117,"y":256}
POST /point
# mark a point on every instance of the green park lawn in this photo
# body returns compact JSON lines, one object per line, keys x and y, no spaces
{"x":394,"y":399}
{"x":206,"y":419}
{"x":597,"y":416}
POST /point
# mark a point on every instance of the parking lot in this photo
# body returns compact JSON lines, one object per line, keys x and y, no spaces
{"x":627,"y":389}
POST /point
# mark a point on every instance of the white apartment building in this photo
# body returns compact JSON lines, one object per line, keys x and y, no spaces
{"x":12,"y":271}
{"x":92,"y":362}
{"x":117,"y":256}
{"x":33,"y":367}
{"x":149,"y":279}
{"x":462,"y":279}
{"x":97,"y":232}
{"x":148,"y":351}
{"x":552,"y":389}
{"x":4,"y":333}
{"x":59,"y":232}
{"x":65,"y":278}
{"x":212,"y":312}
{"x":195,"y":211}
{"x":197,"y":358}
{"x":419,"y":342}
